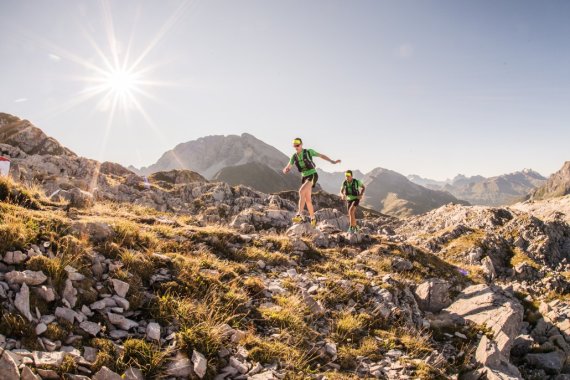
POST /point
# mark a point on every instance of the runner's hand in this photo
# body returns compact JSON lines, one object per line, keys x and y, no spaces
{"x":336,"y":162}
{"x":286,"y":170}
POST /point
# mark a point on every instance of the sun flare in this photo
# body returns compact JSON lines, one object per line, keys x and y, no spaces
{"x":121,"y":82}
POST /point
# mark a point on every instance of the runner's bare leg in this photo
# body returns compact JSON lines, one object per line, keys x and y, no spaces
{"x":308,"y":199}
{"x":302,"y":197}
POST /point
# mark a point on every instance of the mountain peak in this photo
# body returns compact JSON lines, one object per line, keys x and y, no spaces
{"x":23,"y":135}
{"x":208,"y":155}
{"x":557,"y":185}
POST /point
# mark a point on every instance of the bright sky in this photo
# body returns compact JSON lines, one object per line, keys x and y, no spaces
{"x":428,"y":87}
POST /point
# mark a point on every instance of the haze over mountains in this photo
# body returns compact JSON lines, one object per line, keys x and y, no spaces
{"x":493,"y":191}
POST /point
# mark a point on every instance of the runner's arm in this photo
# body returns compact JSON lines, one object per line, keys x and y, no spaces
{"x":287,"y":168}
{"x":326,"y":158}
{"x":342,"y":194}
{"x":362,"y":191}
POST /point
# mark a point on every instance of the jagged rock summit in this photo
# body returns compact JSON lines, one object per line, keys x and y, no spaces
{"x":29,"y":139}
{"x":557,"y":185}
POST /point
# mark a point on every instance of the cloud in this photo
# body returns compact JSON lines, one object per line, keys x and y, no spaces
{"x":21,"y":100}
{"x":53,"y":57}
{"x":406,"y":51}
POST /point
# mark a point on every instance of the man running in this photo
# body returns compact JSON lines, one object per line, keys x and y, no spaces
{"x":303,"y":160}
{"x":352,"y":191}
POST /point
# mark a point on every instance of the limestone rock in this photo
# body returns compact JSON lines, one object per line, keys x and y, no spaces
{"x":200,"y":364}
{"x":180,"y":366}
{"x":28,"y":277}
{"x":551,"y":362}
{"x":122,"y":322}
{"x":90,"y":327}
{"x":106,"y":374}
{"x":120,"y":287}
{"x":153,"y":331}
{"x":14,"y":257}
{"x":22,"y":302}
{"x":27,"y":374}
{"x":433,"y":295}
{"x":482,"y":304}
{"x":8,"y":366}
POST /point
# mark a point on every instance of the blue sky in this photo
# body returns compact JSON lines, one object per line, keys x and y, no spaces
{"x":433,"y":88}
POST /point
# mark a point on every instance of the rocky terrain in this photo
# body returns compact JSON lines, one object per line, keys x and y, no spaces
{"x":105,"y":274}
{"x":501,"y":190}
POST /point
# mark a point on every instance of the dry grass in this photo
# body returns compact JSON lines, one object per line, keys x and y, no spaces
{"x":288,"y":313}
{"x":519,"y":257}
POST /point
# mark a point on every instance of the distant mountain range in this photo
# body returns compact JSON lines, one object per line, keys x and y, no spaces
{"x":391,"y":193}
{"x":494,"y":191}
{"x":249,"y":161}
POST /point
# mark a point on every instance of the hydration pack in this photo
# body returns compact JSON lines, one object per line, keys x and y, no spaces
{"x":307,"y":161}
{"x":353,"y":187}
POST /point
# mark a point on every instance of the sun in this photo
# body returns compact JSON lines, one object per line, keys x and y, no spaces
{"x":121,"y":82}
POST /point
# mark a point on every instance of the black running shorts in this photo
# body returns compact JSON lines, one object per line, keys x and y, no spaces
{"x":313,"y":178}
{"x":355,"y":202}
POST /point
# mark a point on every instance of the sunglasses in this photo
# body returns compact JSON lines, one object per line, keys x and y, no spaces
{"x":296,"y":145}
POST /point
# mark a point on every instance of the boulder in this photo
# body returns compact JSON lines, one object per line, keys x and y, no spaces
{"x":495,"y":364}
{"x":433,"y":295}
{"x":80,"y":199}
{"x":400,"y":264}
{"x":97,"y":232}
{"x":551,"y":362}
{"x":490,"y":306}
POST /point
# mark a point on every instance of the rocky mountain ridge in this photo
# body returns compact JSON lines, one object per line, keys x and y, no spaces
{"x":557,"y":185}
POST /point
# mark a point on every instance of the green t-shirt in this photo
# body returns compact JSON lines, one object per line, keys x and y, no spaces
{"x":358,"y":185}
{"x":305,"y":172}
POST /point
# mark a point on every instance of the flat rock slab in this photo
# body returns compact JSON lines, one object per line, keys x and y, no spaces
{"x":484,"y":305}
{"x":27,"y":277}
{"x":44,"y":359}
